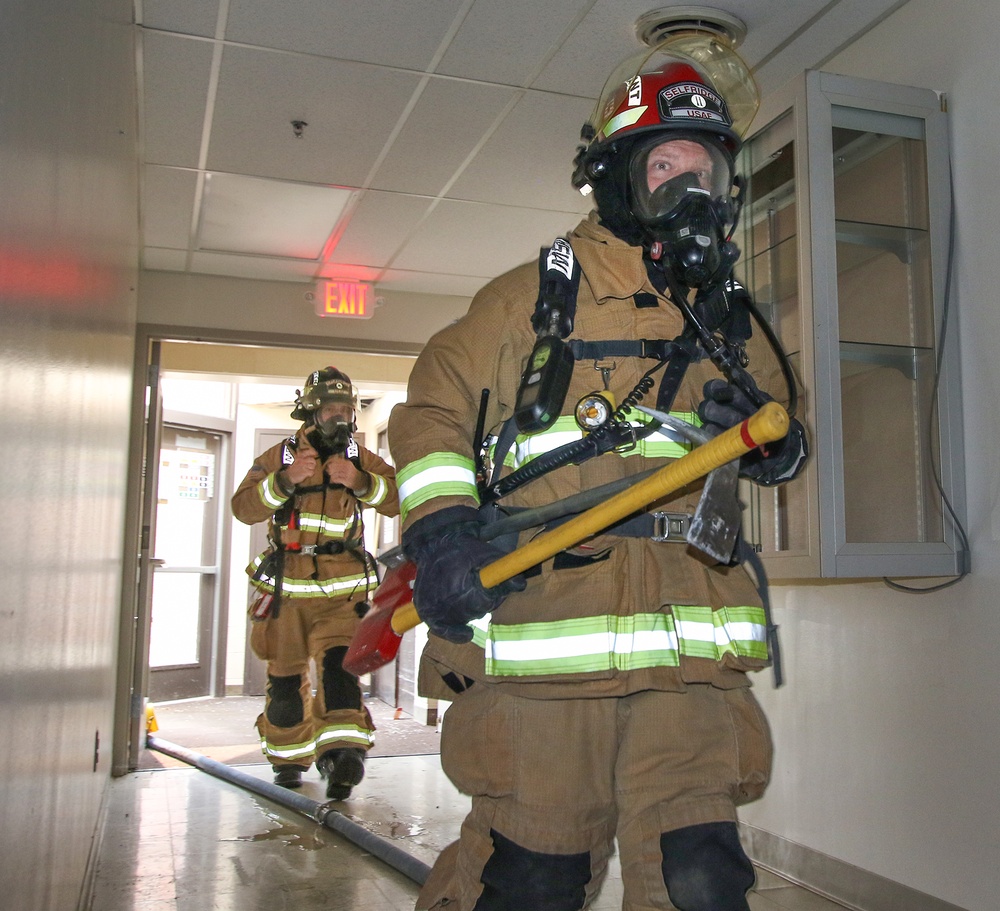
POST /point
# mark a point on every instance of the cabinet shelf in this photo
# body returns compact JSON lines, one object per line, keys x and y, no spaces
{"x":899,"y":357}
{"x":896,"y":240}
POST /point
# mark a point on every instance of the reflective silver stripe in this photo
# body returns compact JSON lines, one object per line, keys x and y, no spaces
{"x":311,"y":588}
{"x":436,"y":475}
{"x":663,"y":443}
{"x":269,"y":492}
{"x":332,"y":528}
{"x":351,"y":733}
{"x":378,"y":492}
{"x":295,"y":751}
{"x":612,"y":643}
{"x":531,"y":446}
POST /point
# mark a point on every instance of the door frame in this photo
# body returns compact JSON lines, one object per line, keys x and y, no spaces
{"x":133,"y":629}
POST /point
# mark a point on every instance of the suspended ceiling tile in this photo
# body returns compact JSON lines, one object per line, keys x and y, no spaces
{"x":269,"y":217}
{"x":476,"y":239}
{"x":533,"y":173}
{"x":168,"y":201}
{"x":446,"y":123}
{"x":194,"y":17}
{"x":507,"y":42}
{"x":604,"y":38}
{"x":175,"y":76}
{"x":389,"y":32}
{"x":350,"y":108}
{"x":304,"y":65}
{"x":267,"y":269}
{"x":464,"y":286}
{"x":378,"y":227}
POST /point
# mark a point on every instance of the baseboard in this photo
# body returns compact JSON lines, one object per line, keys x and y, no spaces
{"x":85,"y":902}
{"x":834,"y":879}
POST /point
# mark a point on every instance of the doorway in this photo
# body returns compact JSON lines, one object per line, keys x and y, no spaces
{"x":202,"y":568}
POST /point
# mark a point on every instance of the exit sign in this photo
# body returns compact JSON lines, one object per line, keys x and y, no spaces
{"x":335,"y":297}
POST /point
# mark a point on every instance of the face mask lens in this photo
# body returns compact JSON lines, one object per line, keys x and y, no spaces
{"x":662,"y":174}
{"x":334,"y":422}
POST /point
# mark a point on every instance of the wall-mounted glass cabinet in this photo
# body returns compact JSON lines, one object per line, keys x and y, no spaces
{"x":845,"y":237}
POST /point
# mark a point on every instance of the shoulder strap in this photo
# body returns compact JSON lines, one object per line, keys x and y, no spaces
{"x":558,"y":286}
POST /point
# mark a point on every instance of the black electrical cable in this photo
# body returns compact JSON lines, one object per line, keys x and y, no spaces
{"x":779,"y":352}
{"x":945,"y":310}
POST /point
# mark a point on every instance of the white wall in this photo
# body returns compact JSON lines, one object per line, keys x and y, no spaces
{"x":273,"y":309}
{"x":888,"y":728}
{"x":68,"y":241}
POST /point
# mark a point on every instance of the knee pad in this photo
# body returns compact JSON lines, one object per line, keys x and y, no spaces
{"x":516,"y":879}
{"x":284,"y":708}
{"x":705,"y":868}
{"x":340,"y":689}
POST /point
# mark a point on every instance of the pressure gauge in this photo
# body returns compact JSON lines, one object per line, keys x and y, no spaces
{"x":594,"y":410}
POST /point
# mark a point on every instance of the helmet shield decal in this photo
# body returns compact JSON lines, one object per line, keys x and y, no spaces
{"x":692,"y":101}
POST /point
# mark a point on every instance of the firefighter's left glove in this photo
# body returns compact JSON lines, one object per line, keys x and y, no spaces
{"x":448,"y":553}
{"x":725,"y":406}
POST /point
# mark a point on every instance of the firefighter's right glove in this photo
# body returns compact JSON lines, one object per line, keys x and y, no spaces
{"x":448,"y":553}
{"x":726,"y":406}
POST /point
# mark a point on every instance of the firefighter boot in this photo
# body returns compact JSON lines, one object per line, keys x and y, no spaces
{"x":288,"y":776}
{"x":342,"y":769}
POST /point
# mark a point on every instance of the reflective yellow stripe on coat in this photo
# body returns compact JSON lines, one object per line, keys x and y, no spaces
{"x":440,"y":474}
{"x":662,"y":443}
{"x":592,"y":645}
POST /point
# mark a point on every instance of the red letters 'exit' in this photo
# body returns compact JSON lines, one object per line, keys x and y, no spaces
{"x":344,"y":298}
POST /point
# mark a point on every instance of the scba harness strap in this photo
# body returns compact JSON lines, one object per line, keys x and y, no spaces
{"x":273,"y":565}
{"x":725,"y":310}
{"x":546,"y":378}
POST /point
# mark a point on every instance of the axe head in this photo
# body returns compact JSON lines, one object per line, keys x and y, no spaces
{"x":716,"y":521}
{"x":376,"y":643}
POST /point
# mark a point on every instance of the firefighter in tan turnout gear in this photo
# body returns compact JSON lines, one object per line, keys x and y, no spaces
{"x":313,"y":583}
{"x":603,"y":696}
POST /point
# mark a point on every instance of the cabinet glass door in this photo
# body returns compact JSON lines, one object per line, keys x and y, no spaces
{"x":845,"y":240}
{"x":886,"y":327}
{"x":776,"y":520}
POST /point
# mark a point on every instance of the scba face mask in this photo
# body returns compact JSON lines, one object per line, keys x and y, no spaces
{"x":681,"y":192}
{"x":336,"y":429}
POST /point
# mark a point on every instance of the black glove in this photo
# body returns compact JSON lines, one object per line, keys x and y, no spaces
{"x":725,"y":406}
{"x":448,"y":553}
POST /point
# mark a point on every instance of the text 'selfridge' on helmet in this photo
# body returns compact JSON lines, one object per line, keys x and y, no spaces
{"x":678,"y":201}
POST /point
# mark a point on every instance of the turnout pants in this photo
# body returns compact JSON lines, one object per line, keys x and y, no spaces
{"x":297,"y":727}
{"x":555,"y":782}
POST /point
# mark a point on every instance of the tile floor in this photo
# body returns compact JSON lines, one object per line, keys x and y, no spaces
{"x":185,"y":840}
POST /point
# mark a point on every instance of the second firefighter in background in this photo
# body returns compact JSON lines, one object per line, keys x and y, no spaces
{"x":313,"y":583}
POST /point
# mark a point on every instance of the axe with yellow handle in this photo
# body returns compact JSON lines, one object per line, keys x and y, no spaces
{"x":377,"y":639}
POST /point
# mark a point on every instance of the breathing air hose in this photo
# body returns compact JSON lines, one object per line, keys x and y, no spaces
{"x":323,"y":813}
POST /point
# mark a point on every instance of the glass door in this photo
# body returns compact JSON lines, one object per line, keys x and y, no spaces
{"x":185,"y":560}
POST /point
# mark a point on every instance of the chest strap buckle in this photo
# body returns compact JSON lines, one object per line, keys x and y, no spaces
{"x":670,"y":526}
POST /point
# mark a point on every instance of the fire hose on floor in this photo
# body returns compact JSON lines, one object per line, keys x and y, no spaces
{"x":370,"y":650}
{"x":322,"y":813}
